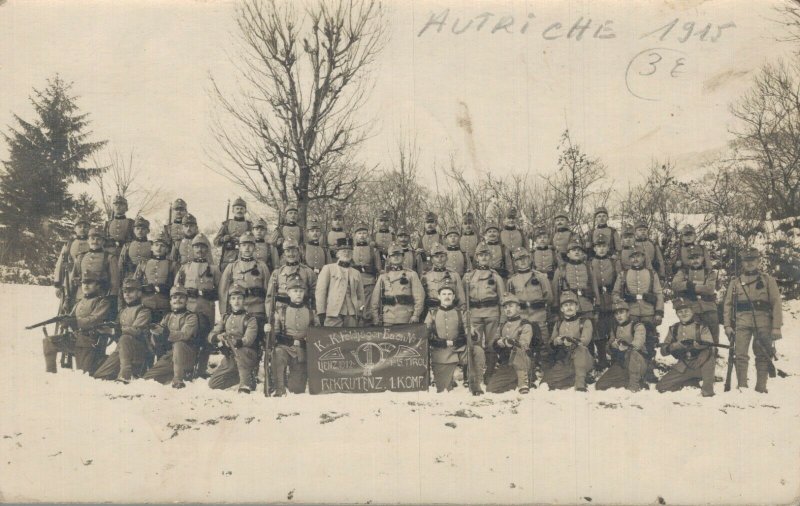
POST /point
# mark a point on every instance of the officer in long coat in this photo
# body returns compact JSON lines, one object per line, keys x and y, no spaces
{"x":339,"y":295}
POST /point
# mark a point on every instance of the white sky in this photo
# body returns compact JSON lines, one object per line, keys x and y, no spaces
{"x":141,"y":70}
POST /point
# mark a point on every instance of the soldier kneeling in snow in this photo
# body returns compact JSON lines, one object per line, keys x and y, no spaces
{"x":179,"y":328}
{"x":511,"y":344}
{"x":292,"y":321}
{"x":236,"y":335}
{"x":627,"y":347}
{"x":695,"y":359}
{"x":570,"y":360}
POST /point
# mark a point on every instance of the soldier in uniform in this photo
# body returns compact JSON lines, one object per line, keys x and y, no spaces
{"x":179,"y":328}
{"x":485,"y":287}
{"x":697,"y":283}
{"x":457,"y":259}
{"x":339,"y":294}
{"x":628,"y":247}
{"x":685,"y":341}
{"x":689,"y":243}
{"x":469,"y":238}
{"x":157,"y":275}
{"x":263,"y":252}
{"x":398,"y":297}
{"x":628,"y":351}
{"x":563,"y":236}
{"x":118,"y":230}
{"x":384,"y":236}
{"x":430,"y":236}
{"x":602,"y":229}
{"x":130,"y":357}
{"x":575,"y":275}
{"x":228,"y":236}
{"x":201,"y":282}
{"x":605,"y":269}
{"x":448,"y":340}
{"x":236,"y":333}
{"x":182,"y":252}
{"x":410,"y":258}
{"x":278,"y":286}
{"x":366,"y":258}
{"x":652,"y":252}
{"x":335,"y":233}
{"x":286,"y":230}
{"x":175,"y":231}
{"x":752,"y":310}
{"x":570,"y":360}
{"x":511,"y":344}
{"x":62,"y":277}
{"x":136,"y":251}
{"x":640,"y":287}
{"x":101,"y":264}
{"x":438,"y":276}
{"x":511,"y":236}
{"x":500,"y":256}
{"x":315,"y":254}
{"x":292,"y":322}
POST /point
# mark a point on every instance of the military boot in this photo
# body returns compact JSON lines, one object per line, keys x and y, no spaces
{"x":741,"y":375}
{"x":761,"y":379}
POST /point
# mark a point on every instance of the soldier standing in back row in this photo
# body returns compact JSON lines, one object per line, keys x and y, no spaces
{"x":366,"y":258}
{"x":263,"y":252}
{"x":605,"y":269}
{"x":157,"y":275}
{"x":563,"y":236}
{"x":575,"y":276}
{"x":339,"y":296}
{"x":228,"y":236}
{"x":457,"y":259}
{"x":752,"y":310}
{"x":627,"y":248}
{"x":118,"y":230}
{"x":430,"y":236}
{"x":469,"y":239}
{"x":410,"y":257}
{"x":335,"y":233}
{"x":182,"y":251}
{"x":511,"y":236}
{"x":136,"y":251}
{"x":437,"y":277}
{"x":398,"y":297}
{"x":697,"y":283}
{"x":500,"y":256}
{"x":601,"y":229}
{"x":315,"y":254}
{"x":640,"y":287}
{"x":687,"y":244}
{"x":289,"y":229}
{"x":62,"y":277}
{"x":101,"y":265}
{"x":292,"y":268}
{"x":252,"y":276}
{"x":384,"y":236}
{"x":653,"y":257}
{"x":175,"y":231}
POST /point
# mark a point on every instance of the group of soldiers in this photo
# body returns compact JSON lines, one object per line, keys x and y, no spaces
{"x":561,"y":310}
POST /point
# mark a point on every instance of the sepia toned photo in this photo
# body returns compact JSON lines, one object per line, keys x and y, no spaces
{"x":400,"y":252}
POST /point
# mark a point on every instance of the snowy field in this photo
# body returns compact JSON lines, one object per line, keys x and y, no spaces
{"x":67,"y":437}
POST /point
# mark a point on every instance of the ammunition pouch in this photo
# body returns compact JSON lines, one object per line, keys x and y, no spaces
{"x":538,"y":304}
{"x":209,"y":295}
{"x":441,"y":343}
{"x":431,"y":303}
{"x":650,"y":298}
{"x":257,"y":291}
{"x":397,"y":300}
{"x":483,"y":303}
{"x":757,"y":305}
{"x":285,"y":340}
{"x":364,"y":269}
{"x":155,"y":288}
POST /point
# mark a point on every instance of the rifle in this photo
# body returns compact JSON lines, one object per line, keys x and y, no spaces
{"x":64,"y":307}
{"x":66,"y":319}
{"x":225,"y":223}
{"x":472,"y":374}
{"x":270,"y":339}
{"x":169,"y":225}
{"x":732,"y":338}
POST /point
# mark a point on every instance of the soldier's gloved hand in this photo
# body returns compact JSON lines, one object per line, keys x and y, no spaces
{"x":729,"y":332}
{"x":413,"y":319}
{"x":238,"y":343}
{"x":658,"y":319}
{"x":622,"y":345}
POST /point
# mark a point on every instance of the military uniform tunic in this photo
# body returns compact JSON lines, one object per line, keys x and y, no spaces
{"x":434,"y":279}
{"x":570,"y":362}
{"x":129,"y":358}
{"x":157,"y":275}
{"x":133,"y":254}
{"x":292,"y":322}
{"x":641,"y":289}
{"x":513,"y":371}
{"x":240,"y":365}
{"x":234,"y":228}
{"x":178,"y":363}
{"x":534,"y":292}
{"x":629,"y":366}
{"x":448,"y":324}
{"x":253,"y":276}
{"x":119,"y":231}
{"x":577,"y":277}
{"x":316,"y":256}
{"x":397,"y":298}
{"x":457,"y":260}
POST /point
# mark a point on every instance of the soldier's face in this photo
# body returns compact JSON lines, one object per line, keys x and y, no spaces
{"x":696,"y":262}
{"x":452,"y":240}
{"x":345,"y":255}
{"x":561,"y":222}
{"x":95,"y":242}
{"x":482,"y":258}
{"x":467,"y":227}
{"x":569,"y":309}
{"x":601,"y":218}
{"x":491,"y":234}
{"x":120,"y":208}
{"x":296,"y":295}
{"x":601,"y":249}
{"x":199,"y":250}
{"x":246,"y":249}
{"x":688,"y":237}
{"x":446,"y":297}
{"x":336,"y":223}
{"x":179,"y":212}
{"x":131,"y":295}
{"x":627,"y":240}
{"x":510,"y":222}
{"x":439,"y":259}
{"x":362,"y":235}
{"x":522,"y":263}
{"x":750,"y":264}
{"x":396,"y":259}
{"x":685,"y":315}
{"x":291,"y":254}
{"x":641,"y":233}
{"x":621,"y":315}
{"x":190,"y":230}
{"x":291,"y":216}
{"x":314,"y":234}
{"x":383,"y":224}
{"x":511,"y":309}
{"x":404,"y":239}
{"x":260,"y":232}
{"x":177,"y":302}
{"x":541,"y":241}
{"x":637,"y":260}
{"x":140,"y":232}
{"x":575,"y":254}
{"x":430,"y":225}
{"x":159,"y":249}
{"x":238,"y":211}
{"x":90,"y":288}
{"x":81,"y":229}
{"x":237,"y":301}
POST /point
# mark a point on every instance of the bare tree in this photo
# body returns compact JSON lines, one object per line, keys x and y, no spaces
{"x":122,"y":178}
{"x":289,"y":135}
{"x":789,"y":18}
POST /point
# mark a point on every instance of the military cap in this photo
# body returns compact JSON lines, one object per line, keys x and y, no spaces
{"x":295,"y":282}
{"x":290,"y":207}
{"x":344,"y":243}
{"x":694,"y":251}
{"x":520,"y":252}
{"x":482,"y":248}
{"x":679,"y":303}
{"x":236,"y":289}
{"x":178,"y":290}
{"x":574,"y":244}
{"x":260,"y":223}
{"x":600,"y":240}
{"x":600,"y":210}
{"x":402,"y":232}
{"x":430,"y":217}
{"x":447,"y":284}
{"x":312,"y":224}
{"x":511,"y":213}
{"x":201,"y":239}
{"x":641,"y":224}
{"x":239,"y":202}
{"x":619,"y":305}
{"x":140,"y":221}
{"x":394,"y":249}
{"x":189,"y":219}
{"x":687,"y":229}
{"x":119,"y":199}
{"x":179,"y":204}
{"x":288,"y":243}
{"x":453,"y":230}
{"x":384,"y":216}
{"x":561,"y":214}
{"x":90,"y":277}
{"x":568,"y":297}
{"x":161,"y":237}
{"x":249,"y":237}
{"x":338,"y":215}
{"x":750,"y":254}
{"x":539,"y":231}
{"x":490,"y":226}
{"x":468,"y":218}
{"x":361,"y":225}
{"x":131,"y":283}
{"x":438,"y":249}
{"x":509,"y":298}
{"x":82,"y":218}
{"x":96,"y":232}
{"x":627,"y":229}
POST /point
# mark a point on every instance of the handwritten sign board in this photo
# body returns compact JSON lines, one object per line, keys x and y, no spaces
{"x":367,"y":359}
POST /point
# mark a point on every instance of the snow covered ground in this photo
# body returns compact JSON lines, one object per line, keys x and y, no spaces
{"x":67,"y":437}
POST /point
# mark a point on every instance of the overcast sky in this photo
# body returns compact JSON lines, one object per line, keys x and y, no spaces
{"x":516,"y":73}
